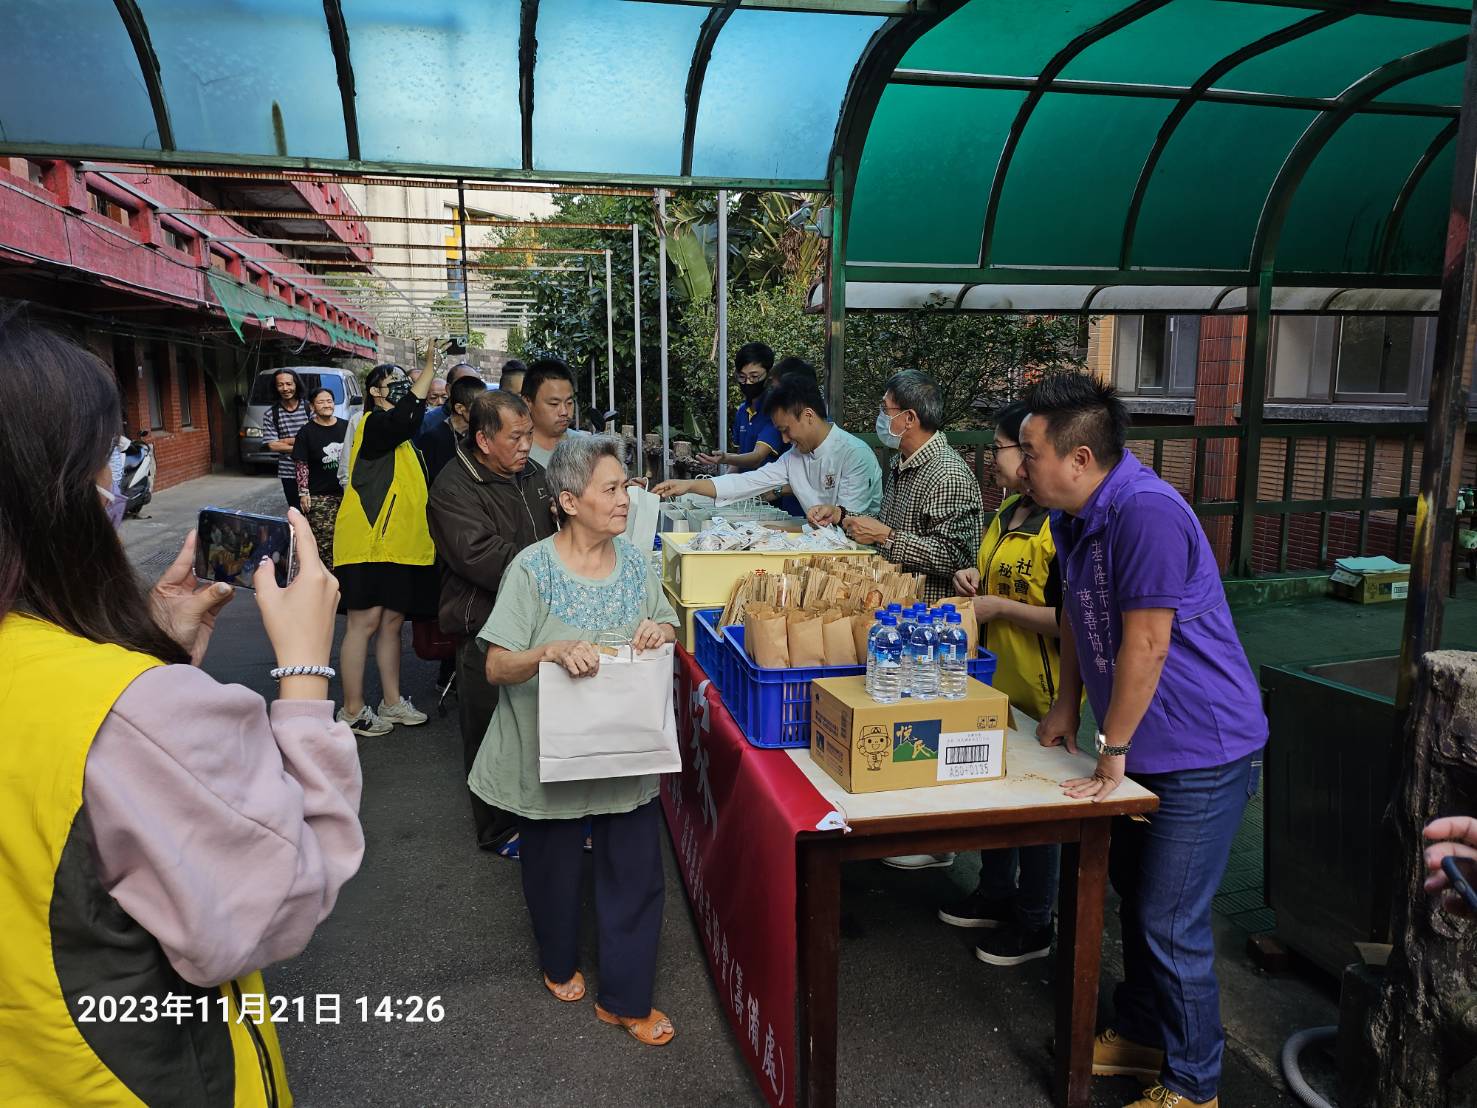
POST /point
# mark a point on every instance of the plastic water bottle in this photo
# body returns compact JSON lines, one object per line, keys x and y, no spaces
{"x":886,"y":661}
{"x":871,"y":638}
{"x":906,"y":621}
{"x":953,"y":660}
{"x":925,"y":657}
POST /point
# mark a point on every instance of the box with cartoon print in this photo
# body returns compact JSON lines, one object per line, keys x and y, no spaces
{"x":870,"y":747}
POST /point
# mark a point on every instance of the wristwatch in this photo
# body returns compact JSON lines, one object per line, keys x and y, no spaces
{"x":1110,"y":751}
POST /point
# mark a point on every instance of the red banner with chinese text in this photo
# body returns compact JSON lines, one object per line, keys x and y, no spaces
{"x":734,"y":812}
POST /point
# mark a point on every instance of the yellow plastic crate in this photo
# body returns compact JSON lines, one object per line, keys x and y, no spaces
{"x":705,"y":579}
{"x":685,"y":614}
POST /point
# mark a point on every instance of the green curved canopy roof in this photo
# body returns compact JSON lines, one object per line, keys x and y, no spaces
{"x":1001,"y":142}
{"x":1164,"y":142}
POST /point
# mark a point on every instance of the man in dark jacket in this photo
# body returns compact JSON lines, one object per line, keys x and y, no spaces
{"x":486,"y":505}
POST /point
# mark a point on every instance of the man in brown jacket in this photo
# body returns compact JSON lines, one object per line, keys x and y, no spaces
{"x":487,"y":504}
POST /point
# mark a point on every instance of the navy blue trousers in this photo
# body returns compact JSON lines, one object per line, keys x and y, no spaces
{"x":630,"y":889}
{"x":1166,"y":871}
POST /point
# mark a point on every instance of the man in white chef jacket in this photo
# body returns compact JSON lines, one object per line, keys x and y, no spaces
{"x":828,"y":466}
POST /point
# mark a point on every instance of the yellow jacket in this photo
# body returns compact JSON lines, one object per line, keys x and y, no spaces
{"x":383,"y":514}
{"x":1021,"y":565}
{"x":84,"y":1018}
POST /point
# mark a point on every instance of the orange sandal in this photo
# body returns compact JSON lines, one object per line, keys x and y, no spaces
{"x":655,"y":1030}
{"x":578,"y":981}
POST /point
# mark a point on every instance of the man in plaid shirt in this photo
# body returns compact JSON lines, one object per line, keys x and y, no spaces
{"x":931,"y":515}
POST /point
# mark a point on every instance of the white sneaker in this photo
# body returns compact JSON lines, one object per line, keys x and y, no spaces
{"x":920,"y":861}
{"x":365,"y":723}
{"x":404,"y":713}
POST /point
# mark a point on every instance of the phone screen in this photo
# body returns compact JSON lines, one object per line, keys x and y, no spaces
{"x":230,"y":546}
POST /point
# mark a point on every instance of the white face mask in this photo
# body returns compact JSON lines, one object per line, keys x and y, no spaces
{"x":885,"y":433}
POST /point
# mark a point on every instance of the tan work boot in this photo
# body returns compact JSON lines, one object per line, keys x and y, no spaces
{"x":1113,"y":1055}
{"x":1158,"y":1096}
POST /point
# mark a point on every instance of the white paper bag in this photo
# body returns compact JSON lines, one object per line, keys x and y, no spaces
{"x":618,"y":723}
{"x":645,"y":514}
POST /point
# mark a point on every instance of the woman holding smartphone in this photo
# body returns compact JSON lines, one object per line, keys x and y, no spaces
{"x":165,"y":835}
{"x":382,"y":549}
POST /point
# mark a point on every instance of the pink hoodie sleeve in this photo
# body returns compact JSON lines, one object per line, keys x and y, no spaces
{"x":224,"y":832}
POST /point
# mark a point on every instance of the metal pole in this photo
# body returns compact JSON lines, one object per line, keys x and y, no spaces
{"x":609,"y":341}
{"x":722,"y":443}
{"x":835,"y":290}
{"x":661,"y":241}
{"x":590,"y":288}
{"x":461,"y":219}
{"x":1446,"y":419}
{"x":636,"y":343}
{"x":1253,"y":400}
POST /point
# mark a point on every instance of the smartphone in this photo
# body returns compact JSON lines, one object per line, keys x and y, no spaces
{"x":230,"y":546}
{"x":1459,"y":882}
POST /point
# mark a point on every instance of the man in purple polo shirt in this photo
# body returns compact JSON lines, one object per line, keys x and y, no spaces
{"x":1146,"y":629}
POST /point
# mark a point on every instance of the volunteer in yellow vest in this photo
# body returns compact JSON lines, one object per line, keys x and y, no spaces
{"x":382,"y":551}
{"x":1017,"y":591}
{"x":165,"y":837}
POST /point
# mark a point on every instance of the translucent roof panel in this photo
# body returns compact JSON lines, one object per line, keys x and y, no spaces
{"x":1054,"y":158}
{"x":88,"y":34}
{"x":1190,"y":218}
{"x":436,"y":75}
{"x":772,"y":93}
{"x":1202,"y":33}
{"x":1326,"y":63}
{"x":254,"y":76}
{"x":925,"y":177}
{"x":1422,"y":235}
{"x":588,"y":49}
{"x":1345,"y":178}
{"x":1006,"y":36}
{"x":1442,"y":87}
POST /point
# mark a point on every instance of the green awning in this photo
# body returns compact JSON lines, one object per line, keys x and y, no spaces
{"x":242,"y":302}
{"x":1017,"y":142}
{"x":1164,"y":143}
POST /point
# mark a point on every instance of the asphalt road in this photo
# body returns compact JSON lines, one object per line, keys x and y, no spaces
{"x":923,"y":1022}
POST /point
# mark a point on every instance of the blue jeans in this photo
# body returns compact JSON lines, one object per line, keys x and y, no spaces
{"x":1034,"y":895}
{"x":1166,"y":871}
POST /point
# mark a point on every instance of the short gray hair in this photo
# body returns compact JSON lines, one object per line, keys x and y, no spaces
{"x":572,"y":465}
{"x":916,"y":391}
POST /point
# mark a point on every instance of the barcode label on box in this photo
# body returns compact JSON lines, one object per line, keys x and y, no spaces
{"x":970,"y":755}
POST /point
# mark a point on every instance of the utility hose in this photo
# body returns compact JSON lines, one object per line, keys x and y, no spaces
{"x":1290,"y":1051}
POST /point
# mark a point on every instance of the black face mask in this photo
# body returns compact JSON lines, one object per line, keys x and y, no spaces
{"x":753,"y":391}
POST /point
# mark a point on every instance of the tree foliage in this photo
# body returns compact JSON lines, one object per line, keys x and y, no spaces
{"x":979,"y":360}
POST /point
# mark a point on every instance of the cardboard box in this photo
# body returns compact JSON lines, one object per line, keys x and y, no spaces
{"x":869,"y":747}
{"x":1370,"y":588}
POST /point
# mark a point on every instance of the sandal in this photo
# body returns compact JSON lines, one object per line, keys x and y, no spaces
{"x":508,"y":848}
{"x":655,"y":1030}
{"x":576,"y":983}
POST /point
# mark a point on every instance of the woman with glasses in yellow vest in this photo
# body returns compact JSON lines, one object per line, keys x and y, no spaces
{"x":165,"y":836}
{"x":1017,"y":594}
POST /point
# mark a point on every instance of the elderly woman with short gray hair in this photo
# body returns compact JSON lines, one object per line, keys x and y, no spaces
{"x":558,"y":597}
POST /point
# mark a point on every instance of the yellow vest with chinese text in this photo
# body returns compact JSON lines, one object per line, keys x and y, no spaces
{"x":1016,"y":565}
{"x":85,"y":988}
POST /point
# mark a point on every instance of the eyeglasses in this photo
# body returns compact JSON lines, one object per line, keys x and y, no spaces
{"x":993,"y":452}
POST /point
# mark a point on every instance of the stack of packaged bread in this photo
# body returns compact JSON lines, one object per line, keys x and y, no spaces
{"x":817,"y":612}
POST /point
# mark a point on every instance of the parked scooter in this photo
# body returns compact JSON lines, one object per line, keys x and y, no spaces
{"x":137,"y":482}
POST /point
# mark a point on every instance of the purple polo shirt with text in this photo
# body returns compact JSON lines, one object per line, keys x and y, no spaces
{"x":1137,"y":544}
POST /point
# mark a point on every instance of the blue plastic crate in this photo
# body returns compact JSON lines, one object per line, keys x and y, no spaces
{"x":772,"y":706}
{"x":707,"y":644}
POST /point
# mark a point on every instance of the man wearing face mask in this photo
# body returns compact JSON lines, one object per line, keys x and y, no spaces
{"x":930,"y":520}
{"x":754,"y":432}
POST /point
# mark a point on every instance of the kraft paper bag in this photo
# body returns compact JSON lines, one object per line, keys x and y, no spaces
{"x":620,"y":722}
{"x":807,"y":642}
{"x":861,"y":627}
{"x":964,"y":605}
{"x":766,"y":638}
{"x":839,"y":641}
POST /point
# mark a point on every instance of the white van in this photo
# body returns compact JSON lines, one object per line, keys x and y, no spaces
{"x":348,"y":398}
